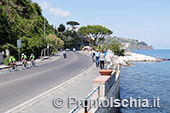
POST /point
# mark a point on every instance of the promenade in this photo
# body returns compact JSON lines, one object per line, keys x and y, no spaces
{"x":78,"y":88}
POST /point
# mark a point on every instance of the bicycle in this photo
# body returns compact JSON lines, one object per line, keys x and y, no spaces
{"x":33,"y":63}
{"x":12,"y":66}
{"x":24,"y":64}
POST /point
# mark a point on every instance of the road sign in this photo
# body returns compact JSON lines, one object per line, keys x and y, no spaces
{"x":19,"y":43}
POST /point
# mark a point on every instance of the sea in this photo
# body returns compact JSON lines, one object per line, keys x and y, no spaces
{"x":147,"y":80}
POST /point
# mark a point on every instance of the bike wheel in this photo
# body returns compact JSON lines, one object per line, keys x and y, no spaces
{"x":10,"y":69}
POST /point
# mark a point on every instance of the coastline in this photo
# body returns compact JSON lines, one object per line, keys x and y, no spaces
{"x":134,"y":57}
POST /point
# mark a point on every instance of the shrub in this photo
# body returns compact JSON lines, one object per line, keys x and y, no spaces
{"x":6,"y":60}
{"x":97,"y":47}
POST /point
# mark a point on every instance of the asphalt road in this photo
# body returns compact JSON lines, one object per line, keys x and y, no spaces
{"x":20,"y":86}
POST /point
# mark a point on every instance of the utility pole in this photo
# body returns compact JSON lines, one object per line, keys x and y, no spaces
{"x":44,"y":36}
{"x":44,"y":27}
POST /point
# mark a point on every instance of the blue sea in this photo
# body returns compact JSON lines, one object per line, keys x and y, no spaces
{"x":147,"y":80}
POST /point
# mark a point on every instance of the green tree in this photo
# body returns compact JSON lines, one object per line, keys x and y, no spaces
{"x":54,"y":41}
{"x":95,"y":33}
{"x":61,"y":28}
{"x":72,"y":24}
{"x":115,"y":47}
{"x":22,"y":19}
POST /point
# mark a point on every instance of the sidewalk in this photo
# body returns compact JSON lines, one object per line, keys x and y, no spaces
{"x":79,"y":87}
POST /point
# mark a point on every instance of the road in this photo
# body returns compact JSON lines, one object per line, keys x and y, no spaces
{"x":20,"y":86}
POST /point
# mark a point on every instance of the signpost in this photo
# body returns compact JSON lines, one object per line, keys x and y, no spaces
{"x":48,"y":49}
{"x":19,"y":46}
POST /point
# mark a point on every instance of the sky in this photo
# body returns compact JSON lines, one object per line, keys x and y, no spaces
{"x":145,"y":20}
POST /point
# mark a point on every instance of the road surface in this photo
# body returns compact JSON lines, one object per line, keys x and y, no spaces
{"x":19,"y":87}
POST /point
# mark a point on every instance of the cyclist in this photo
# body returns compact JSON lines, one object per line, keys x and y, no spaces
{"x":32,"y":57}
{"x":12,"y":62}
{"x":64,"y":54}
{"x":24,"y":59}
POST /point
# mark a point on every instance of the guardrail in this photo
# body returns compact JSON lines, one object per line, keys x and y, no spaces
{"x":117,"y":69}
{"x":86,"y":109}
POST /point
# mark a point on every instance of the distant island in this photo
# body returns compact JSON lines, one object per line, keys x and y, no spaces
{"x":129,"y":43}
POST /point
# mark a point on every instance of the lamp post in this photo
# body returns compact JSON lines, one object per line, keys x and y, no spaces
{"x":44,"y":27}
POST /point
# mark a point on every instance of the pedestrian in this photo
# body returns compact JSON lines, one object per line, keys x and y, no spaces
{"x":93,"y":55}
{"x":102,"y":59}
{"x":97,"y":56}
{"x":109,"y":59}
{"x":105,"y":53}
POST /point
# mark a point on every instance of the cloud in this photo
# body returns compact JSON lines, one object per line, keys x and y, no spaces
{"x":45,"y":5}
{"x":59,"y":12}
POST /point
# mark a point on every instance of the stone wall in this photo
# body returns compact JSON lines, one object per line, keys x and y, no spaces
{"x":108,"y":88}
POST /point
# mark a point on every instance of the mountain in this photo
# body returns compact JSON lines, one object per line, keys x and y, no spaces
{"x":129,"y":43}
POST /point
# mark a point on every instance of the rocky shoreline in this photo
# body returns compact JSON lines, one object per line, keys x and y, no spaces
{"x":134,"y":57}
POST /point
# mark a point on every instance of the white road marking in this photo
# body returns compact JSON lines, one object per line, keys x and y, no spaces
{"x":37,"y":73}
{"x":45,"y":94}
{"x":83,"y":70}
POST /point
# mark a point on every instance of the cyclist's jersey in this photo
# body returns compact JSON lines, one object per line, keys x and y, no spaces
{"x":32,"y":56}
{"x":24,"y":56}
{"x":12,"y":59}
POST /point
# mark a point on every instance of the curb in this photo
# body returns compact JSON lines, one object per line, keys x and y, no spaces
{"x":43,"y":59}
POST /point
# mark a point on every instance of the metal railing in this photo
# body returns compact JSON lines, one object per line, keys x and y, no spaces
{"x":76,"y":108}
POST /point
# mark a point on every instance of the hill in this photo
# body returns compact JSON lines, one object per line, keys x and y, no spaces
{"x":22,"y":19}
{"x":129,"y":43}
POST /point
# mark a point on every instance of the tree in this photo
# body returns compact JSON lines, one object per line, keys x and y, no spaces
{"x":72,"y":24}
{"x":54,"y":41}
{"x":115,"y":47}
{"x":22,"y":19}
{"x":61,"y":28}
{"x":95,"y":33}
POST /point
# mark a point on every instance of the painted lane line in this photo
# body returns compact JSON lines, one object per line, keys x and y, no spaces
{"x":37,"y":73}
{"x":45,"y":94}
{"x":83,"y":70}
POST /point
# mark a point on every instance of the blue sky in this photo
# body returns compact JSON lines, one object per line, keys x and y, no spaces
{"x":146,"y":20}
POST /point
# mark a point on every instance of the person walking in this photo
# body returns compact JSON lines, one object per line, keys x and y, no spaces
{"x":102,"y":58}
{"x":93,"y":55}
{"x":97,"y":56}
{"x":109,"y":59}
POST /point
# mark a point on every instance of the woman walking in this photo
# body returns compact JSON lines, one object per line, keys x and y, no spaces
{"x":102,"y":58}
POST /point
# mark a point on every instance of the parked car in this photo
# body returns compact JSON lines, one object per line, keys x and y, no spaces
{"x":67,"y":49}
